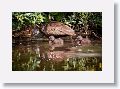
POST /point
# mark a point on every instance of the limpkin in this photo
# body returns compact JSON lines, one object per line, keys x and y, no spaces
{"x":55,"y":28}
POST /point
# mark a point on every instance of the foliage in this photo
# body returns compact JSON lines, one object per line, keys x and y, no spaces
{"x":21,"y":19}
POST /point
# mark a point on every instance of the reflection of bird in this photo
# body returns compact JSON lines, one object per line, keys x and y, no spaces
{"x":57,"y":29}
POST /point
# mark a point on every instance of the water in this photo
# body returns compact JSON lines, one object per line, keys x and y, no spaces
{"x":39,"y":56}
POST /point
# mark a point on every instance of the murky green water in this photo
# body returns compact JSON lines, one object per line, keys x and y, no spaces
{"x":39,"y":56}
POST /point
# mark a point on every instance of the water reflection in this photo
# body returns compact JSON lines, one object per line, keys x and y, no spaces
{"x":40,"y":57}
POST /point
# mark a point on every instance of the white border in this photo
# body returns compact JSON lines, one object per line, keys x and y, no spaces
{"x":104,"y":76}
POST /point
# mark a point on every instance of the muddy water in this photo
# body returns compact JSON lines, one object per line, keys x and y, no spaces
{"x":39,"y":56}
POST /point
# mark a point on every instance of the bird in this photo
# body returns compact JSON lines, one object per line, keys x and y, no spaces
{"x":55,"y":42}
{"x":82,"y":41}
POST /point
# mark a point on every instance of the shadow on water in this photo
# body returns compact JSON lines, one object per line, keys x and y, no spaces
{"x":39,"y":56}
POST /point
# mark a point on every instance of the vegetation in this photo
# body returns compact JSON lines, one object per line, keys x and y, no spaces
{"x":79,"y":21}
